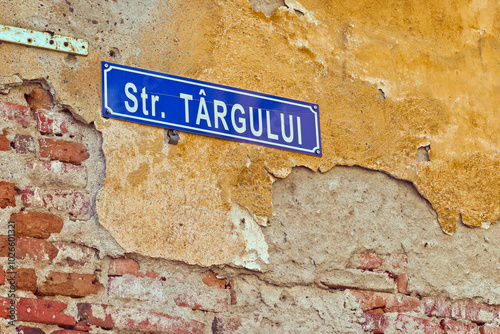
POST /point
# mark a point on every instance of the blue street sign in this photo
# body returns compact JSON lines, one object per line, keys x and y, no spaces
{"x":173,"y":102}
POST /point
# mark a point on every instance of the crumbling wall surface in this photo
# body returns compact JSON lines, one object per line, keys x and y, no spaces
{"x":346,"y":251}
{"x":390,"y":80}
{"x":393,"y":230}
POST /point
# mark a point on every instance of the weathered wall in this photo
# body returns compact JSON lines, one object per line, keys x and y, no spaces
{"x":123,"y":231}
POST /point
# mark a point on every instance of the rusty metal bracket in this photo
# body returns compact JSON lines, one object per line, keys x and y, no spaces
{"x":45,"y":40}
{"x":173,"y":137}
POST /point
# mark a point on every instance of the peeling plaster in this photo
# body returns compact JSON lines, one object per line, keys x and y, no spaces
{"x":256,"y":248}
{"x":294,"y":6}
{"x":415,"y":54}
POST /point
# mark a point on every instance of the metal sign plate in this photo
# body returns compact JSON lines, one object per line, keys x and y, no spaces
{"x":45,"y":40}
{"x":173,"y":102}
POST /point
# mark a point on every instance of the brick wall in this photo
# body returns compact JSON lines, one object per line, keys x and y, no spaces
{"x":66,"y":286}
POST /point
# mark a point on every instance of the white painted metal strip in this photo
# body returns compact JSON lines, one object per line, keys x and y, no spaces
{"x":44,"y":40}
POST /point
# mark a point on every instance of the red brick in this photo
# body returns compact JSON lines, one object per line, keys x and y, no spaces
{"x":29,"y":330}
{"x":413,"y":325}
{"x":369,"y":300}
{"x":36,"y":224}
{"x":465,"y":310}
{"x":15,"y":112}
{"x":109,"y":317}
{"x":37,"y":249}
{"x":26,"y":279}
{"x":194,"y":295}
{"x":402,"y":283}
{"x":69,"y":284}
{"x":2,"y":276}
{"x":4,"y":142}
{"x":489,"y":330}
{"x":376,"y":310}
{"x":369,"y":261}
{"x":81,"y":326}
{"x":437,"y":307}
{"x":225,"y":325}
{"x":122,"y":266}
{"x":40,"y":99}
{"x":4,"y":245}
{"x":394,"y":263}
{"x":38,"y":310}
{"x":104,"y":319}
{"x":74,"y":255}
{"x":76,"y":203}
{"x":64,"y":151}
{"x":456,"y":327}
{"x":402,"y":303}
{"x":57,"y":174}
{"x":209,"y":279}
{"x":24,"y":144}
{"x":7,"y":194}
{"x":374,"y":323}
{"x":59,"y":123}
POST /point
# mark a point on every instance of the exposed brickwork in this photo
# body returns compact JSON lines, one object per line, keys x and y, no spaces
{"x":197,"y":300}
{"x":466,"y":310}
{"x":109,"y":317}
{"x":39,"y":311}
{"x":369,"y":300}
{"x":374,"y":323}
{"x":24,"y":144}
{"x":69,"y":284}
{"x":122,"y":266}
{"x":7,"y":194}
{"x":75,"y":255}
{"x":455,"y":327}
{"x":402,"y":283}
{"x":4,"y":142}
{"x":489,"y":330}
{"x":57,"y":174}
{"x":2,"y":276}
{"x":394,"y":263}
{"x":209,"y":279}
{"x":410,"y":324}
{"x":64,"y":151}
{"x":36,"y":224}
{"x":40,"y":98}
{"x":14,"y":112}
{"x":76,"y":203}
{"x":36,"y":249}
{"x":56,"y":123}
{"x":193,"y":296}
{"x":26,"y":279}
{"x":81,"y":326}
{"x":369,"y":261}
{"x":29,"y":330}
